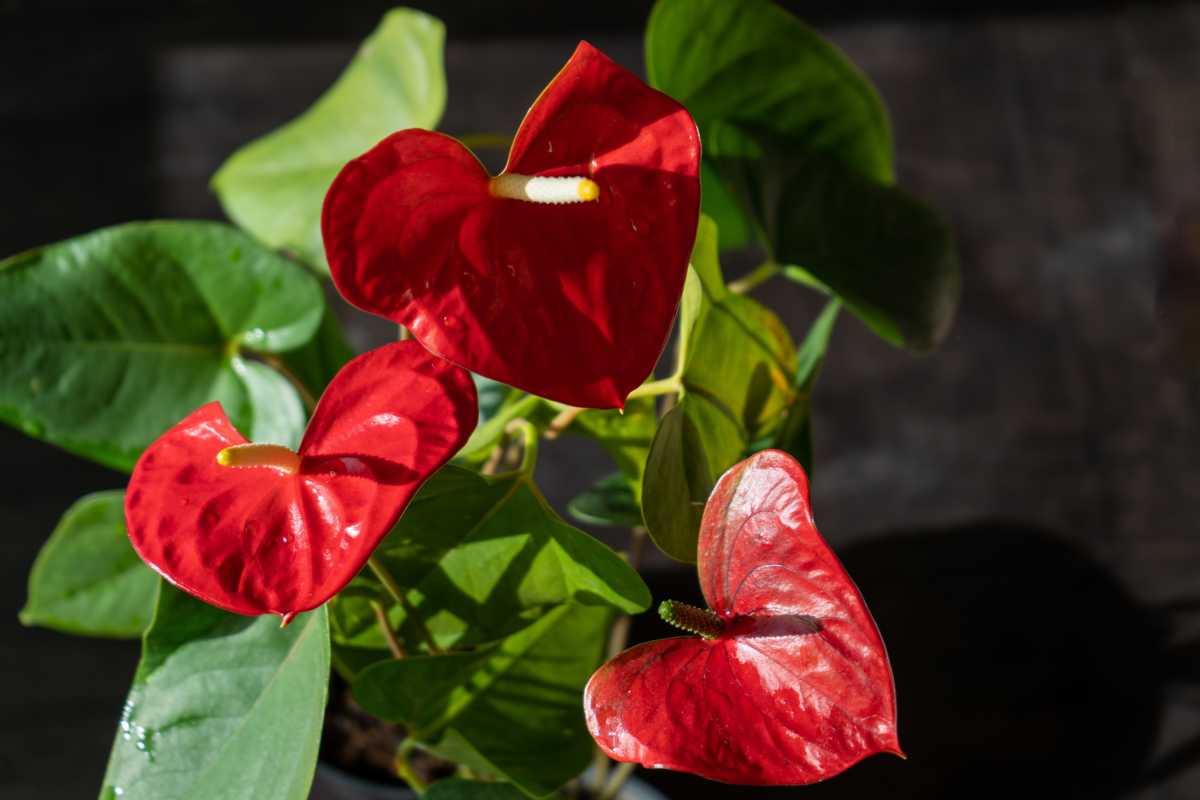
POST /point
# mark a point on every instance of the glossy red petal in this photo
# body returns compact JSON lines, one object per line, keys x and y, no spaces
{"x":571,"y":302}
{"x":797,"y":688}
{"x":255,"y":540}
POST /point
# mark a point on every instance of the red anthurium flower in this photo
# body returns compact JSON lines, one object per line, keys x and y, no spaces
{"x":257,"y":528}
{"x":561,"y":275}
{"x":789,"y":683}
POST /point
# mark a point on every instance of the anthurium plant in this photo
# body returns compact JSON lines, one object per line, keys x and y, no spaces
{"x":299,"y":516}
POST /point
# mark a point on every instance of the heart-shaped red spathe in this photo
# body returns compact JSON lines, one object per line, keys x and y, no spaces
{"x":260,"y":539}
{"x":572,"y":302}
{"x":795,"y":689}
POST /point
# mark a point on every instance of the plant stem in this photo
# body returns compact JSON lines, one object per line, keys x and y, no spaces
{"x":563,"y":421}
{"x":760,"y":274}
{"x":400,"y":597}
{"x":661,"y":386}
{"x":386,"y":626}
{"x":529,"y":443}
{"x":276,"y":363}
{"x":404,"y":768}
{"x":619,"y":776}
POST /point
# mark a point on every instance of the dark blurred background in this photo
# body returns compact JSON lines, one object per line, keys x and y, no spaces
{"x":1020,"y":508}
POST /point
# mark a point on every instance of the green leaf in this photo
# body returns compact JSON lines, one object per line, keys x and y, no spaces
{"x":512,"y":708}
{"x":109,"y":339}
{"x":481,"y":557}
{"x":798,"y":148}
{"x":795,"y":435}
{"x":459,"y":789}
{"x":737,"y":387}
{"x":87,"y":579}
{"x":274,"y":187}
{"x":610,"y":501}
{"x":889,"y":257}
{"x":222,"y":706}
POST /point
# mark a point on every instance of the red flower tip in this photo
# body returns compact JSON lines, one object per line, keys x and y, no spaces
{"x":559,"y":276}
{"x":793,"y":687}
{"x":256,"y":528}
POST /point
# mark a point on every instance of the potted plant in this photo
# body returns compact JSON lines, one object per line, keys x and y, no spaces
{"x":296,"y":511}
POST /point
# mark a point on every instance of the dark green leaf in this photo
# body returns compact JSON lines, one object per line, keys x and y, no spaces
{"x":222,"y":706}
{"x":109,"y":339}
{"x":887,"y":255}
{"x":482,"y":557}
{"x":513,"y":708}
{"x":610,"y":501}
{"x":738,"y":363}
{"x":88,"y":580}
{"x":274,"y":186}
{"x":797,"y":138}
{"x":624,"y":436}
{"x":459,"y":789}
{"x":795,"y":435}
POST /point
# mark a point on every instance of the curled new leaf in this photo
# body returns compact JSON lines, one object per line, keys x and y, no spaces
{"x":790,"y":683}
{"x":561,"y":275}
{"x":259,"y":529}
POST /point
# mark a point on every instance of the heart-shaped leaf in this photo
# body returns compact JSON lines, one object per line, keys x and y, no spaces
{"x":738,"y":363}
{"x":267,"y":530}
{"x":87,"y":580}
{"x":94,"y":328}
{"x":481,"y":558}
{"x":221,"y":706}
{"x":791,"y":683}
{"x":510,"y":708}
{"x":274,"y":186}
{"x":570,"y":298}
{"x":798,"y":150}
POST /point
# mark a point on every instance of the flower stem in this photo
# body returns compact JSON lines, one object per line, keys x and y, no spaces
{"x":386,"y":626}
{"x":393,"y":588}
{"x":760,"y":274}
{"x":563,"y":421}
{"x":276,"y":363}
{"x":404,"y":767}
{"x":619,"y":776}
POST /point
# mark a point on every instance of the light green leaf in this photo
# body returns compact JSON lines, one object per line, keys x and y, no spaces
{"x":109,"y":339}
{"x":513,"y":708}
{"x":87,"y":579}
{"x":274,"y":187}
{"x":222,"y":706}
{"x":277,"y":415}
{"x":798,"y":150}
{"x":624,"y":436}
{"x":480,"y":558}
{"x":738,"y":363}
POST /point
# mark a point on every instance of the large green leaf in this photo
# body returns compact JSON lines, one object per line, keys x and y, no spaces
{"x":480,"y":558}
{"x":87,"y":579}
{"x":738,"y":363}
{"x":275,"y":186}
{"x":513,"y":708}
{"x":222,"y":706}
{"x":108,"y":339}
{"x":798,"y":150}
